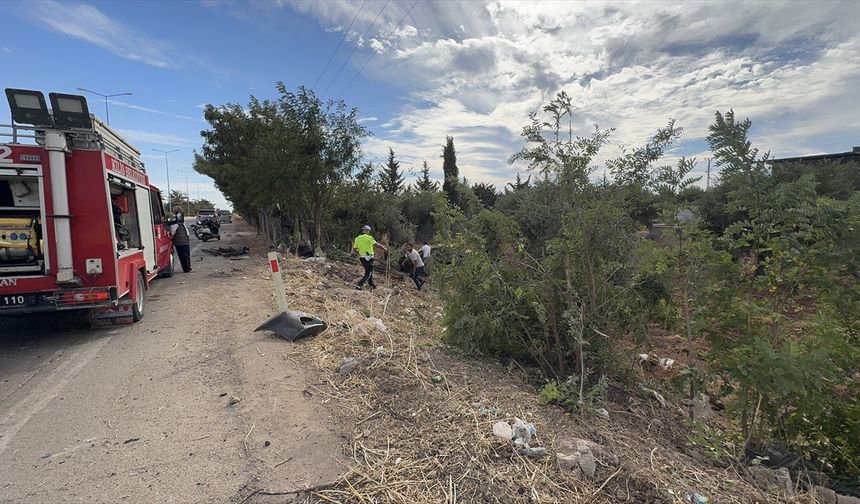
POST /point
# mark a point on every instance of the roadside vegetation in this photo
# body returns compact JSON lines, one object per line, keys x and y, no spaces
{"x":572,"y":274}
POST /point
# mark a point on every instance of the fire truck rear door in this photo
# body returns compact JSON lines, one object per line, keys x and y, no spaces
{"x":147,"y":234}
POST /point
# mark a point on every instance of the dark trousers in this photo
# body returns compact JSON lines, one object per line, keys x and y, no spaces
{"x":417,"y":276}
{"x":368,"y":272}
{"x":184,"y":253}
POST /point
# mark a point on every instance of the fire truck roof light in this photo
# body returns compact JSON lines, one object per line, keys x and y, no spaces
{"x":28,"y":107}
{"x":70,"y":111}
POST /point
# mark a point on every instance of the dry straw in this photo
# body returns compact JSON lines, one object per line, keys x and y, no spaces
{"x":416,"y":436}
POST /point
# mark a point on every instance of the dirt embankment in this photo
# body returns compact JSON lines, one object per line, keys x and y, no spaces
{"x":419,"y":418}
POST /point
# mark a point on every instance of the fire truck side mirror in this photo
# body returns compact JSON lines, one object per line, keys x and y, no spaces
{"x":70,"y":111}
{"x":28,"y":107}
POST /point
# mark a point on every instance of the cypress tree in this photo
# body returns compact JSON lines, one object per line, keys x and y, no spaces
{"x":450,"y":170}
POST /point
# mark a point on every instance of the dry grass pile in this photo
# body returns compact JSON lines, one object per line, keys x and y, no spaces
{"x":419,"y":417}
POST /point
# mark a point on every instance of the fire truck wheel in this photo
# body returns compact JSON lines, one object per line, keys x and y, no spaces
{"x":168,"y":270}
{"x":139,"y":303}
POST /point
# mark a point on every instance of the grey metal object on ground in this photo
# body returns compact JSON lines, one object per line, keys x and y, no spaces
{"x":292,"y":325}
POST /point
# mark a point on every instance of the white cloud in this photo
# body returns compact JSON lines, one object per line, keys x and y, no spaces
{"x":7,"y":50}
{"x":368,"y":119}
{"x":87,"y":23}
{"x":405,"y":31}
{"x":152,"y":137}
{"x":792,"y":67}
{"x":377,"y":46}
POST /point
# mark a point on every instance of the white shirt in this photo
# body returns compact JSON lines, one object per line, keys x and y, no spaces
{"x":425,"y":251}
{"x":416,"y":258}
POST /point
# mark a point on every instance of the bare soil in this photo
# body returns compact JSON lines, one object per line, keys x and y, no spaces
{"x":141,"y":414}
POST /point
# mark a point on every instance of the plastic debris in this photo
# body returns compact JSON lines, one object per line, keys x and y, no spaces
{"x":667,"y":363}
{"x":602,"y":413}
{"x":696,"y":498}
{"x":521,"y":435}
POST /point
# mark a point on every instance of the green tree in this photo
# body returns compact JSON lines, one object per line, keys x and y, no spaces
{"x":390,"y":177}
{"x":549,"y":307}
{"x":450,"y":171}
{"x":425,"y":183}
{"x":178,"y":198}
{"x":486,"y":192}
{"x":292,"y":151}
{"x":787,"y":368}
{"x":518,"y":185}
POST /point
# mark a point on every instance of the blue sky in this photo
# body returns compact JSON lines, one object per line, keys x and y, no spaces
{"x":470,"y":69}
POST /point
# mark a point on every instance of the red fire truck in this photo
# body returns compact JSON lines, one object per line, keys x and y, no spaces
{"x":81,"y":227}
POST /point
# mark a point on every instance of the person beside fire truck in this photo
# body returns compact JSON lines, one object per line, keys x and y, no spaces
{"x":180,"y":238}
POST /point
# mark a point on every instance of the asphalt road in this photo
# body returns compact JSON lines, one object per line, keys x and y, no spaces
{"x":141,"y":413}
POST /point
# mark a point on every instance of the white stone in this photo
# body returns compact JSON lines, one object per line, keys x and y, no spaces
{"x":503,"y":430}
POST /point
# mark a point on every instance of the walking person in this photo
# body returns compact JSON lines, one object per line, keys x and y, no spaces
{"x":417,"y":266}
{"x":365,"y":246}
{"x":180,"y":238}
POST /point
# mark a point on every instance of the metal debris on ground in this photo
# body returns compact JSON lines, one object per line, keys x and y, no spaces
{"x":227,"y":251}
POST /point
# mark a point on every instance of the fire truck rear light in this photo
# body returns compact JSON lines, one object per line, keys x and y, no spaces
{"x":86,"y":297}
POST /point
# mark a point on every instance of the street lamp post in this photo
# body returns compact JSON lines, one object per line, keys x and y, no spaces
{"x":187,"y":192}
{"x":107,"y":112}
{"x":167,"y":170}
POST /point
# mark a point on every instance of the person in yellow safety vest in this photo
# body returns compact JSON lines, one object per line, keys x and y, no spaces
{"x":365,"y":247}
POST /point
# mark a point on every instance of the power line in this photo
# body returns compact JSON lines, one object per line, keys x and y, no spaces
{"x":339,"y":44}
{"x":339,"y":70}
{"x":374,"y":52}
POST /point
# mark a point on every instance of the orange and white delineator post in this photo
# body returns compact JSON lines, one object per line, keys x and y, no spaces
{"x":277,"y":281}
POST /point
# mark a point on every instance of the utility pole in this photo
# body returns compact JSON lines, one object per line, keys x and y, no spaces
{"x":167,"y":170}
{"x":107,"y":111}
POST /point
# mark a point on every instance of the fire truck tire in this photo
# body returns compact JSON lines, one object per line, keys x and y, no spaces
{"x":168,"y":270}
{"x":139,"y":304}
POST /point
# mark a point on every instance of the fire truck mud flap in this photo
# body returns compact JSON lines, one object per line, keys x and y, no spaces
{"x":122,"y":314}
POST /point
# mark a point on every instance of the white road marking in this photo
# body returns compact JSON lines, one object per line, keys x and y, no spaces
{"x":36,"y":401}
